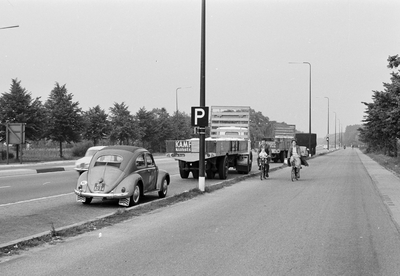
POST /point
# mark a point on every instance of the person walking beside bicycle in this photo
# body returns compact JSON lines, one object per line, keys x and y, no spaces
{"x":264,"y":146}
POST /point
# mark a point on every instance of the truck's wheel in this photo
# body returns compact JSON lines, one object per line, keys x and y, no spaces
{"x":282,"y":156}
{"x":210,"y":174}
{"x":223,"y":167}
{"x":250,"y":163}
{"x":182,"y":172}
{"x":195,"y":174}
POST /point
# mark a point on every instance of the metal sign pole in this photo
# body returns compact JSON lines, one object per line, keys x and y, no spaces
{"x":7,"y":142}
{"x":202,"y":96}
{"x":20,"y":143}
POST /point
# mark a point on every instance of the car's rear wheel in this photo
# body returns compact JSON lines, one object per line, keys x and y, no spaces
{"x":87,"y":200}
{"x":164,"y":189}
{"x":136,"y":196}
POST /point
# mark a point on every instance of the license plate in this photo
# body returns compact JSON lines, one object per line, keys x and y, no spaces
{"x":99,"y":187}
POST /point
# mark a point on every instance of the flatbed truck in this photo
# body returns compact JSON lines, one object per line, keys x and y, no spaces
{"x":227,"y":147}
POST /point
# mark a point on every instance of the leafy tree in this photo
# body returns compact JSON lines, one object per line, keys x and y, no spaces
{"x":97,"y":127}
{"x":260,"y":126}
{"x":146,"y":126}
{"x":123,"y":125}
{"x":351,"y":135}
{"x":381,"y":128}
{"x":163,"y":131}
{"x":17,"y":106}
{"x":64,"y":119}
{"x":181,"y":126}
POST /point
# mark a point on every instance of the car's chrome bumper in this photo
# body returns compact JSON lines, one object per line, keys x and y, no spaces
{"x":101,"y":195}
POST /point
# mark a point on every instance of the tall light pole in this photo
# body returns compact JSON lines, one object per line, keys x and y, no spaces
{"x":202,"y":131}
{"x":327,"y":137}
{"x":335,"y":129}
{"x":176,"y":97}
{"x":309,"y":105}
{"x":340,"y":142}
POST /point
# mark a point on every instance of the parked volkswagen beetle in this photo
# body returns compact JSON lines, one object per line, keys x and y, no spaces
{"x":121,"y":172}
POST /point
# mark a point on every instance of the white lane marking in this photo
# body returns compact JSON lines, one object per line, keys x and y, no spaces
{"x":45,"y":183}
{"x":1,"y":187}
{"x":34,"y":199}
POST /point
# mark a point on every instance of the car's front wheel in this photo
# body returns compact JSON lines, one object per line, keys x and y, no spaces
{"x":136,"y":195}
{"x":164,"y":189}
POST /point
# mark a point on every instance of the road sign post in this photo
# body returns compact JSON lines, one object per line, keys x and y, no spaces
{"x":15,"y":134}
{"x":199,"y":118}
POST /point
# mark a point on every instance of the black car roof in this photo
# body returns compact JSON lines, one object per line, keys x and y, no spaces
{"x":126,"y":148}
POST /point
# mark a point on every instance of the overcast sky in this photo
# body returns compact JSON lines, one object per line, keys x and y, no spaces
{"x":140,"y":51}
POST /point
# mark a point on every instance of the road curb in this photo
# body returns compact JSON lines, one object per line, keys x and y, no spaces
{"x":55,"y":169}
{"x":33,"y":171}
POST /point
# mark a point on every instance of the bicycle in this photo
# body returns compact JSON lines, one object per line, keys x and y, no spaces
{"x":263,"y":162}
{"x":295,"y":173}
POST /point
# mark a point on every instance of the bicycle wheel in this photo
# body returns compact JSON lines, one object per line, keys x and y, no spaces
{"x":293,"y":175}
{"x":262,"y":171}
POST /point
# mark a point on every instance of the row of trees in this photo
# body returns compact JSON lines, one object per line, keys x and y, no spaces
{"x":61,"y":120}
{"x":381,"y":128}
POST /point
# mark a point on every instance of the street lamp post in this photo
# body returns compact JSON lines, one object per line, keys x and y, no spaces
{"x":309,"y":105}
{"x":335,"y":129}
{"x":327,"y":139}
{"x":340,"y":142}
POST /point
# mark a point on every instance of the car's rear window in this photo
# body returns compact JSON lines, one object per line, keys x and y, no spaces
{"x":109,"y":160}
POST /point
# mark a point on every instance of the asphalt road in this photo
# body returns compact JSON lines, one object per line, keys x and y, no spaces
{"x":331,"y":222}
{"x":32,"y":203}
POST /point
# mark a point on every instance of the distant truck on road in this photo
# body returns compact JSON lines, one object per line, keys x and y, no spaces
{"x":303,"y":141}
{"x":282,"y":135}
{"x":227,"y":147}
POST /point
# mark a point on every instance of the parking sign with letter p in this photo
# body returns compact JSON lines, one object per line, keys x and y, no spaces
{"x":200,"y":116}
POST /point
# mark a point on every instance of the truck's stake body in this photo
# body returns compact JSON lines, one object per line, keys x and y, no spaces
{"x":227,"y":147}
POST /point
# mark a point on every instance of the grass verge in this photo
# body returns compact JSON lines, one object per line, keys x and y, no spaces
{"x":390,"y":163}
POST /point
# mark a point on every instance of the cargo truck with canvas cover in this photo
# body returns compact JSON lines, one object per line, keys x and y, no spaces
{"x":227,"y":147}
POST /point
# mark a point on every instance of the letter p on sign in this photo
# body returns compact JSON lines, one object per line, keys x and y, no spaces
{"x":200,"y":116}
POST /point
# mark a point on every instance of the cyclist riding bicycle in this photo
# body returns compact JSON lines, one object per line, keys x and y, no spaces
{"x":294,"y":155}
{"x":267,"y":149}
{"x":263,"y":156}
